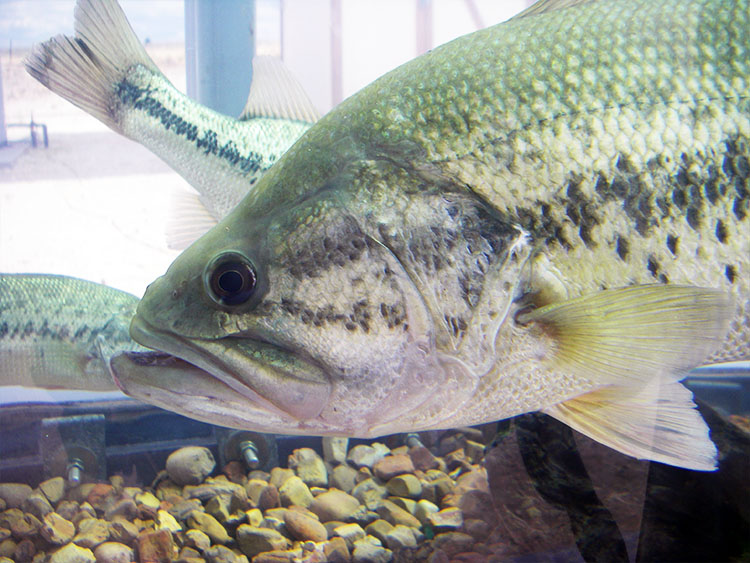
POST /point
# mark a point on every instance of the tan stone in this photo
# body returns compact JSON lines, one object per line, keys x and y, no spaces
{"x":392,"y":465}
{"x":406,"y":485}
{"x":190,"y":465}
{"x":14,"y":494}
{"x":396,"y":515}
{"x":334,"y":505}
{"x":252,"y":540}
{"x":303,"y":527}
{"x":295,"y":491}
{"x":155,"y":547}
{"x":209,"y":525}
{"x":56,"y":529}
{"x":72,"y":553}
{"x":113,"y":552}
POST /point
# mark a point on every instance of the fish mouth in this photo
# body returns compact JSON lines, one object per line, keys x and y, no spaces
{"x":266,"y":376}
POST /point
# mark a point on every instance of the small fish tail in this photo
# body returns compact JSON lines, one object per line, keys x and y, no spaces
{"x":85,"y":69}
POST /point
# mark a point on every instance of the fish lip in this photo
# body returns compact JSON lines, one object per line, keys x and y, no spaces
{"x":169,"y":345}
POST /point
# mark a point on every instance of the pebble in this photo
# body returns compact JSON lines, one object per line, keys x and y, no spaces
{"x":295,"y":492}
{"x":72,"y":553}
{"x":303,"y":527}
{"x":67,"y":509}
{"x":453,"y":542}
{"x":270,"y":498}
{"x":392,"y":465}
{"x":336,"y":551}
{"x":147,"y":499}
{"x":368,"y":553}
{"x":406,"y":485}
{"x":350,"y":533}
{"x":446,"y":520}
{"x":365,"y":456}
{"x":218,"y":507}
{"x":379,"y":528}
{"x":92,"y":532}
{"x":209,"y":525}
{"x":122,"y":531}
{"x":423,"y":459}
{"x":252,"y":540}
{"x":396,"y":515}
{"x":213,"y":487}
{"x":423,"y":509}
{"x":370,"y":493}
{"x":190,"y":465}
{"x":334,"y":505}
{"x":165,"y":521}
{"x":25,"y":551}
{"x":279,"y":475}
{"x":253,"y":488}
{"x":343,"y":477}
{"x":334,"y":449}
{"x":113,"y":552}
{"x":197,"y":539}
{"x":7,"y":548}
{"x":24,"y":526}
{"x":222,"y":554}
{"x":14,"y":494}
{"x":37,"y":504}
{"x":155,"y":547}
{"x":185,"y":508}
{"x":400,"y":536}
{"x":125,"y":507}
{"x":56,"y":529}
{"x":254,"y":516}
{"x":309,"y":467}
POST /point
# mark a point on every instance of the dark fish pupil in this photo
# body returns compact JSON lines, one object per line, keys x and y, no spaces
{"x":230,"y":282}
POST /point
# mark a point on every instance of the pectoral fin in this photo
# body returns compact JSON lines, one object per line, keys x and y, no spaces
{"x":637,"y":343}
{"x":657,"y":422}
{"x":634,"y":335}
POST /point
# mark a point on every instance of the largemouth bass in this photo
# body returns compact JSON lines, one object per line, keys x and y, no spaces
{"x":550,"y":214}
{"x":58,"y":332}
{"x":105,"y":71}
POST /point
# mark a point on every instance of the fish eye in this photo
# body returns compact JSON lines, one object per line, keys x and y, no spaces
{"x":230,"y":279}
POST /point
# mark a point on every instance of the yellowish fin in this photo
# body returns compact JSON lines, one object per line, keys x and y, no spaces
{"x":633,"y":335}
{"x":656,"y":422}
{"x":637,"y":342}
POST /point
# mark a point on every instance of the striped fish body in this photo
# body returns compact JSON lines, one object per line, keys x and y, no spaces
{"x":59,"y":332}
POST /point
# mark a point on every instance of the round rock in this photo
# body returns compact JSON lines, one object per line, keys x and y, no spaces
{"x":392,"y":465}
{"x":14,"y":494}
{"x":190,"y":465}
{"x":113,"y":552}
{"x":72,"y":553}
{"x":334,"y":505}
{"x":56,"y":529}
{"x":252,"y":540}
{"x":303,"y":527}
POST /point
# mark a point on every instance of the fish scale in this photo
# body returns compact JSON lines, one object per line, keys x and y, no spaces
{"x":558,"y":205}
{"x":643,"y":130}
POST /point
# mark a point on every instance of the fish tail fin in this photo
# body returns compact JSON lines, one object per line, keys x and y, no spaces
{"x":657,"y":422}
{"x":86,"y":69}
{"x":635,"y":344}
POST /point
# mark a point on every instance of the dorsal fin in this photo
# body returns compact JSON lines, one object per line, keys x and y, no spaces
{"x":275,"y":92}
{"x":545,"y":6}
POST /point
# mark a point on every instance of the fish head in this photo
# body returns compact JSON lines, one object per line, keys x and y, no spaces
{"x":299,"y":313}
